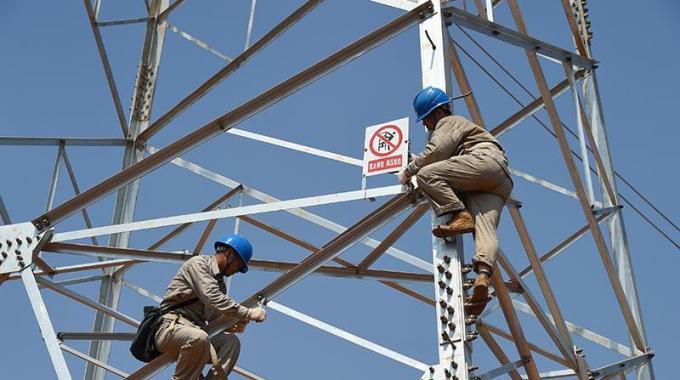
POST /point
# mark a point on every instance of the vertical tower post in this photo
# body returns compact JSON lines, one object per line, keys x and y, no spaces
{"x":606,"y":174}
{"x":142,"y":100}
{"x":454,"y":354}
{"x":616,"y":226}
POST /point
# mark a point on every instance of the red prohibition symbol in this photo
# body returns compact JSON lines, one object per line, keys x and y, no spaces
{"x":383,"y":140}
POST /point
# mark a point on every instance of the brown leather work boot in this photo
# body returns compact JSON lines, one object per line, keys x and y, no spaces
{"x":460,"y":224}
{"x":513,"y":287}
{"x":480,"y":290}
{"x":475,"y":308}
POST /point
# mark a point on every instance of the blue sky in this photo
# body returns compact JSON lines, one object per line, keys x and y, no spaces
{"x":52,"y":84}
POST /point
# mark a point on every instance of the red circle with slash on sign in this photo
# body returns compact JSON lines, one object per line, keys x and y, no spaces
{"x":382,"y":144}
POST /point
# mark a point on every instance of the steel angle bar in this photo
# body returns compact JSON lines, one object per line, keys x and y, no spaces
{"x":263,"y":265}
{"x":107,"y":67}
{"x":384,"y":214}
{"x":507,"y":336}
{"x":76,"y":191}
{"x":620,"y":366}
{"x":205,"y":235}
{"x":562,"y":345}
{"x":344,"y":263}
{"x":541,"y":182}
{"x":231,"y":212}
{"x":489,"y":10}
{"x":143,"y":292}
{"x":169,"y":9}
{"x":405,"y":5}
{"x":277,"y":232}
{"x":349,"y":336}
{"x":304,"y":214}
{"x":535,"y":106}
{"x":585,"y":160}
{"x":518,"y":337}
{"x":496,"y":349}
{"x":517,"y":38}
{"x":251,"y":19}
{"x":480,"y":9}
{"x":43,"y":265}
{"x":87,"y":302}
{"x":118,"y":253}
{"x":392,"y":238}
{"x":240,"y":113}
{"x":349,"y":238}
{"x":580,"y":331}
{"x":78,"y":268}
{"x":247,"y":374}
{"x":560,"y":374}
{"x":494,"y":373}
{"x":141,"y":107}
{"x":4,"y":215}
{"x":600,"y":243}
{"x":55,"y":177}
{"x":80,"y":280}
{"x":578,"y":39}
{"x":92,"y":360}
{"x":566,"y":243}
{"x":179,"y":229}
{"x":203,"y":45}
{"x":617,"y":230}
{"x":45,"y":325}
{"x":602,"y":172}
{"x":369,"y":274}
{"x":541,"y":278}
{"x":95,"y":336}
{"x":464,"y":84}
{"x":227,"y":70}
{"x":123,"y":22}
{"x":297,"y":147}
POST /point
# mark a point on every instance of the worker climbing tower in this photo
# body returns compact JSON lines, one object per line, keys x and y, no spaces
{"x":466,"y":345}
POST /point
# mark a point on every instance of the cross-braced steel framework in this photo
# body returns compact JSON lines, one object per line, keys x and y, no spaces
{"x":23,"y":243}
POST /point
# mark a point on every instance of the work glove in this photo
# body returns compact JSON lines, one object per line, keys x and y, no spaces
{"x":403,"y":178}
{"x":257,"y":314}
{"x":239,"y":327}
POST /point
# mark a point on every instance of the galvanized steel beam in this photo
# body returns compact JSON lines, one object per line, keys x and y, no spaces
{"x":230,"y":119}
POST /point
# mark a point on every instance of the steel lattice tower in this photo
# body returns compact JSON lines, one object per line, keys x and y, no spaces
{"x":438,"y":25}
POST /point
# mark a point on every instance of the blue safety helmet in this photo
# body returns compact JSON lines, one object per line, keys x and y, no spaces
{"x":427,"y":100}
{"x":241,"y":245}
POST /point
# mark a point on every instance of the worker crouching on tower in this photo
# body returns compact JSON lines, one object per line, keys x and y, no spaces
{"x":462,"y":160}
{"x":199,"y":286}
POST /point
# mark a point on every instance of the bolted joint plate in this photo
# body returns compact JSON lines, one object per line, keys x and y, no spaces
{"x":18,"y":243}
{"x":145,"y":91}
{"x":439,"y":372}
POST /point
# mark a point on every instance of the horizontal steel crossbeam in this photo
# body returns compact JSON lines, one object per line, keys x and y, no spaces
{"x":239,"y":114}
{"x":513,"y":37}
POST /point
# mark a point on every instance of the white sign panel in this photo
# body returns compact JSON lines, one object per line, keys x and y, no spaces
{"x":386,"y":147}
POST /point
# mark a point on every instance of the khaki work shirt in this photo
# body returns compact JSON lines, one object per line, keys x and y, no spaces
{"x":452,"y":136}
{"x":200,"y":277}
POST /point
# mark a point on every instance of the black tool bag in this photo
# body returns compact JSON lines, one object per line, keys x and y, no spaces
{"x":143,"y":346}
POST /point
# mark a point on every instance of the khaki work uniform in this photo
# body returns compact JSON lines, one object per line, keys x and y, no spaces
{"x":463,"y":157}
{"x":181,"y":331}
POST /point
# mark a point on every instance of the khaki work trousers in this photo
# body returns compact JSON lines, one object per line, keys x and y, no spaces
{"x":483,"y":179}
{"x":193,"y":348}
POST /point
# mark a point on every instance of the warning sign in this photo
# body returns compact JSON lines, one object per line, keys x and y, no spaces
{"x":386,"y":147}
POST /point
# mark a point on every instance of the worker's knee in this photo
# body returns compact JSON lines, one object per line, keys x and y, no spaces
{"x":426,"y":173}
{"x":424,"y":177}
{"x":200,"y":340}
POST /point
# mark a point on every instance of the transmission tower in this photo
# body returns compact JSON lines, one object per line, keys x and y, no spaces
{"x":27,"y":247}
